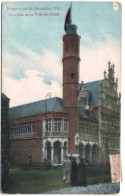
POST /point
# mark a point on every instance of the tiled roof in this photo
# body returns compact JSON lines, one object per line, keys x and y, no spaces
{"x":93,"y":88}
{"x":52,"y":104}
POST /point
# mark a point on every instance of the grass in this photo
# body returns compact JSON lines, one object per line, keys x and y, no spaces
{"x":35,"y":179}
{"x":98,"y":174}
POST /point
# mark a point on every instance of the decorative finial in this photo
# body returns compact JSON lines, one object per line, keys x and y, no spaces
{"x":104,"y":74}
{"x":109,"y":63}
{"x":113,"y":66}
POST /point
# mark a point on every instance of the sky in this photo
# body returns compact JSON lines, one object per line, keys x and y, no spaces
{"x":32,"y":46}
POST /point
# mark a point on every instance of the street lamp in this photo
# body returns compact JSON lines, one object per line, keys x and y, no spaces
{"x":46,"y":124}
{"x":49,"y":95}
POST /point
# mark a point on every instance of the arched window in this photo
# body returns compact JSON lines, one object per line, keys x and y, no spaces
{"x":88,"y":153}
{"x":94,"y":153}
{"x":57,"y":152}
{"x":81,"y":148}
{"x":48,"y":150}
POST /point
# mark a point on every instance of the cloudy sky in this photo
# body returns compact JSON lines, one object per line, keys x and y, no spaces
{"x":32,"y":46}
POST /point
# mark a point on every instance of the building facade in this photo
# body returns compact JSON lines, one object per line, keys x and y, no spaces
{"x":86,"y":121}
{"x":40,"y":129}
{"x":99,"y":101}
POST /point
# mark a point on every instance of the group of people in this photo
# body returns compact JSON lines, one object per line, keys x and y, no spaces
{"x":74,"y":171}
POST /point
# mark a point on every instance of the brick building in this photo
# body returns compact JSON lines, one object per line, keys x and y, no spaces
{"x":85,"y":121}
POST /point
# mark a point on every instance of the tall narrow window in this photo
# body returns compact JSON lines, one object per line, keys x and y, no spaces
{"x":65,"y":125}
{"x":72,"y":75}
{"x":48,"y":125}
{"x":57,"y":125}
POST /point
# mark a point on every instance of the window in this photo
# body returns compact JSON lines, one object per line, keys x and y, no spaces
{"x":48,"y":125}
{"x":85,"y":100}
{"x":57,"y":125}
{"x":81,"y":110}
{"x":19,"y":129}
{"x":65,"y":125}
{"x":72,"y":75}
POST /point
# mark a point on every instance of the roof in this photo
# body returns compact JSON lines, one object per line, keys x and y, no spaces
{"x":93,"y":88}
{"x":52,"y":104}
{"x":4,"y":97}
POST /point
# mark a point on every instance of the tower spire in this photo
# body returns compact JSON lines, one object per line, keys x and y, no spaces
{"x":68,"y":26}
{"x":71,"y":42}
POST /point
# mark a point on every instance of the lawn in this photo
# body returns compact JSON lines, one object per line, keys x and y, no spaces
{"x":35,"y":179}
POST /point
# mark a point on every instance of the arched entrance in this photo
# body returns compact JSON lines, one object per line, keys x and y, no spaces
{"x":57,"y":152}
{"x":94,"y":153}
{"x":88,"y":153}
{"x":48,"y":150}
{"x":65,"y":149}
{"x":81,"y":150}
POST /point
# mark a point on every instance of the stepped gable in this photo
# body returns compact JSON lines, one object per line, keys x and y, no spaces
{"x":93,"y":89}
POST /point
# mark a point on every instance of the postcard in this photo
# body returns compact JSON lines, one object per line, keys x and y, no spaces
{"x":61,"y":97}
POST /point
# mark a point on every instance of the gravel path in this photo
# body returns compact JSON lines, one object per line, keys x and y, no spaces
{"x":102,"y":188}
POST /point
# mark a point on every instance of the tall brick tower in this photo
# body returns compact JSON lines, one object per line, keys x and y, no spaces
{"x":71,"y":79}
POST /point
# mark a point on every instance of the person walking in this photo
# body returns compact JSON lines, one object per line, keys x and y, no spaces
{"x":81,"y":174}
{"x":73,"y":172}
{"x":66,"y":170}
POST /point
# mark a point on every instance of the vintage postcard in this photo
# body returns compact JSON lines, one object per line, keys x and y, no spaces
{"x":61,"y":97}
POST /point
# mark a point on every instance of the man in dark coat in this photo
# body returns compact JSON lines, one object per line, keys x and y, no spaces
{"x":73,"y":172}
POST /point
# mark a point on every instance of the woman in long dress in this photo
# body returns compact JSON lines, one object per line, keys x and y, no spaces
{"x":81,"y":173}
{"x":73,"y":172}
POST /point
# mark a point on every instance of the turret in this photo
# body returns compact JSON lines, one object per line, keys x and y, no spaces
{"x":71,"y":78}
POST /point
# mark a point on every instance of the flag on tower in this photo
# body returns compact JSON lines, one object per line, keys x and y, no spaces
{"x":68,"y":18}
